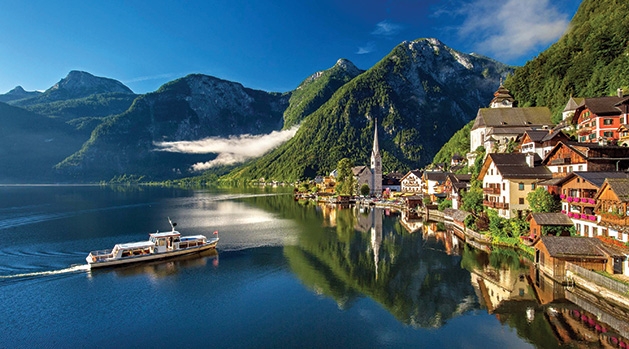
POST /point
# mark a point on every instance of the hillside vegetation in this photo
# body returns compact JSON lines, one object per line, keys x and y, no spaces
{"x":590,"y":60}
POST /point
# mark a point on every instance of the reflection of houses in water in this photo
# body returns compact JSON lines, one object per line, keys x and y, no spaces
{"x":328,"y":212}
{"x":588,"y":319}
{"x":498,"y":286}
{"x":411,"y":221}
{"x":436,"y":231}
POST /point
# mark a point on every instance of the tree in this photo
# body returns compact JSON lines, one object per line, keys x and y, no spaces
{"x":345,"y":177}
{"x":473,"y":200}
{"x":541,"y":200}
{"x":365,"y":190}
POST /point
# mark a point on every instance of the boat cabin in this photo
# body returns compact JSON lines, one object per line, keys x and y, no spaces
{"x":165,"y":241}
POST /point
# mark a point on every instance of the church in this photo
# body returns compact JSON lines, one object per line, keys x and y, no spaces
{"x":372,"y":176}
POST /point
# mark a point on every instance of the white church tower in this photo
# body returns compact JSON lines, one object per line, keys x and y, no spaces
{"x":376,"y":164}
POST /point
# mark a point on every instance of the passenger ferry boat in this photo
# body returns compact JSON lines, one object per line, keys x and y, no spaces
{"x":159,"y":246}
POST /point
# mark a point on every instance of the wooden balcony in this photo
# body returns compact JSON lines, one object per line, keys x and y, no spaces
{"x":494,"y":190}
{"x":502,"y":205}
{"x":561,"y":161}
{"x":612,"y":219}
{"x":487,"y":203}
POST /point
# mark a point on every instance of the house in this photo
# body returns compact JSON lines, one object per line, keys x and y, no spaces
{"x":412,"y":182}
{"x":553,"y":252}
{"x":577,"y":192}
{"x":541,"y":141}
{"x":508,"y":179}
{"x":568,"y":157}
{"x":540,"y":222}
{"x":432,"y":184}
{"x":599,"y":118}
{"x":392,"y":182}
{"x":612,"y":204}
{"x":623,"y":135}
{"x":454,"y":186}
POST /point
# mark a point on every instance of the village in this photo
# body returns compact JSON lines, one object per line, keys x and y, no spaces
{"x":581,"y":163}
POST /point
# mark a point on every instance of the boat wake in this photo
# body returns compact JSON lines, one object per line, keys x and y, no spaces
{"x":72,"y":269}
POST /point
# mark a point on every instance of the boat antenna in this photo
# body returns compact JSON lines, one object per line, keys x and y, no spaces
{"x":172,"y":225}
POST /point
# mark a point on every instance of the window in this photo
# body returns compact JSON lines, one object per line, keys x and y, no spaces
{"x":521,"y":201}
{"x":608,"y":134}
{"x":521,"y":186}
{"x":503,"y":186}
{"x":608,"y":121}
{"x":580,"y":167}
{"x":532,"y":186}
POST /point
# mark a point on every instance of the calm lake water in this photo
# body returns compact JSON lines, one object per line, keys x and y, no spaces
{"x":286,"y":274}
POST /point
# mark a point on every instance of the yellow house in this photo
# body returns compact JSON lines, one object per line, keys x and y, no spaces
{"x":508,"y":179}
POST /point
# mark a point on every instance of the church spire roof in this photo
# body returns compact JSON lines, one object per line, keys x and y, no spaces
{"x":376,"y":147}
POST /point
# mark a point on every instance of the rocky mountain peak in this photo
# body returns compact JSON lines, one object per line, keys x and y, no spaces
{"x":347,"y":66}
{"x":17,"y":90}
{"x":82,"y":83}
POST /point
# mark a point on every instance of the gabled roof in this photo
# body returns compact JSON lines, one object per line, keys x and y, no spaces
{"x":416,"y":173}
{"x":357,"y":170}
{"x":605,"y":152}
{"x":620,"y":186}
{"x":551,"y":218}
{"x":573,"y":103}
{"x":595,"y":178}
{"x":570,"y":246}
{"x":602,"y":105}
{"x":438,"y":176}
{"x":512,"y":117}
{"x":536,"y":135}
{"x":514,"y":165}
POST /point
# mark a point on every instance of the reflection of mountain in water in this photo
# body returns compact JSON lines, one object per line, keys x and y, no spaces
{"x":413,"y":278}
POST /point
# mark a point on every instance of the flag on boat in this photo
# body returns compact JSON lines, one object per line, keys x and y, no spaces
{"x":215,"y":232}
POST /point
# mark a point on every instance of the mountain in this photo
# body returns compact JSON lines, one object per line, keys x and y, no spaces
{"x":191,"y":108}
{"x":313,"y":92}
{"x":420,"y":93}
{"x":590,"y":60}
{"x":18,"y":93}
{"x":31,"y":145}
{"x":80,"y":94}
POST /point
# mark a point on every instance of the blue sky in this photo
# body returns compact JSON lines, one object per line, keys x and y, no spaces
{"x":270,"y":45}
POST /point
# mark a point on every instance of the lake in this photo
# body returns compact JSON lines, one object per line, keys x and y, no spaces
{"x":286,"y":274}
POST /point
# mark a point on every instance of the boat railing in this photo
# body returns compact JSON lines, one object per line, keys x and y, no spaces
{"x":101,"y":254}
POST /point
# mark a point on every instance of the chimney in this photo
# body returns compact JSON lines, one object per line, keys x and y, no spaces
{"x":530,"y":159}
{"x":620,"y":92}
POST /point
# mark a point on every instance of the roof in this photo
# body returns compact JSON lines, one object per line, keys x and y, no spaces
{"x":536,"y":135}
{"x":134,"y":245}
{"x":620,"y":186}
{"x":567,"y":246}
{"x":572,"y":246}
{"x":438,"y":176}
{"x":357,"y":170}
{"x":598,"y":178}
{"x":552,"y":218}
{"x":573,"y":103}
{"x":457,"y":215}
{"x":602,"y":105}
{"x":165,"y":234}
{"x":416,"y":173}
{"x":514,"y":165}
{"x":511,"y":117}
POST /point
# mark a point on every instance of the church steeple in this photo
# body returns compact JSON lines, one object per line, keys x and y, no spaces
{"x":376,"y":164}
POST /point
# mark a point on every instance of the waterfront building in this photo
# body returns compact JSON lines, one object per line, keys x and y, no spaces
{"x":599,"y":118}
{"x":612,"y":204}
{"x":508,"y":178}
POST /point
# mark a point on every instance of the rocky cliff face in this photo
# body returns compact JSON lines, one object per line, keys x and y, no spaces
{"x":78,"y":84}
{"x":191,"y":108}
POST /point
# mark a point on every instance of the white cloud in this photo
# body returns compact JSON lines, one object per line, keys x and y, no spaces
{"x":511,"y":28}
{"x":150,"y":77}
{"x":386,"y":28}
{"x":368,"y":48}
{"x":230,"y":150}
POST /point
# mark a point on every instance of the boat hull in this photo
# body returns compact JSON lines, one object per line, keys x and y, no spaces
{"x":151,"y":257}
